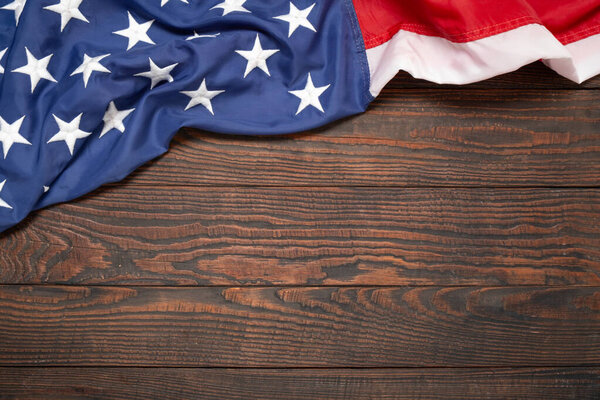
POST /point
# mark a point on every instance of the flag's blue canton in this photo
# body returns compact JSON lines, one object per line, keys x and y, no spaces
{"x":91,"y":89}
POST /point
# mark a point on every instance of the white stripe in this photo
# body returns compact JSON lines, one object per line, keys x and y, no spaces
{"x":584,"y":60}
{"x":442,"y":61}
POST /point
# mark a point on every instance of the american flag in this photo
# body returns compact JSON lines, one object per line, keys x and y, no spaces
{"x":92,"y":89}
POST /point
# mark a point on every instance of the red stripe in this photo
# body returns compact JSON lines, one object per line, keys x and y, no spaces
{"x":570,"y":20}
{"x":467,"y":20}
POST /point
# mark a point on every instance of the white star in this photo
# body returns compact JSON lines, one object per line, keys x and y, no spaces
{"x":202,"y":96}
{"x":2,"y":202}
{"x":230,"y":6}
{"x":309,"y":96}
{"x":69,"y":132}
{"x":9,"y":134}
{"x":46,"y":188}
{"x":297,"y":18}
{"x":89,"y":65}
{"x":67,"y":9}
{"x":257,"y":57}
{"x":36,"y":69}
{"x":2,"y":55}
{"x":16,"y":6}
{"x":163,"y":2}
{"x":196,"y":36}
{"x":113,"y":118}
{"x":157,"y":74}
{"x":136,"y":32}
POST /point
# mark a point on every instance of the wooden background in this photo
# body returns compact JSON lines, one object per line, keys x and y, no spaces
{"x":443,"y":245}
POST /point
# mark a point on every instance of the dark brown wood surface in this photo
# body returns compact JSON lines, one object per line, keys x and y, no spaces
{"x":443,"y":245}
{"x":171,"y":235}
{"x":276,"y":384}
{"x":299,"y":327}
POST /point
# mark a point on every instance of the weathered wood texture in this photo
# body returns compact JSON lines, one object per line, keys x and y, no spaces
{"x":247,"y":384}
{"x":428,"y":137}
{"x":164,"y":235}
{"x":471,"y":194}
{"x":299,"y":327}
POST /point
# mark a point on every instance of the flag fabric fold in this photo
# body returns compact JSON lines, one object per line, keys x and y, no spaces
{"x":465,"y":41}
{"x":90,"y":89}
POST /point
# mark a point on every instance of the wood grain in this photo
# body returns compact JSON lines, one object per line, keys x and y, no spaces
{"x":285,"y":252}
{"x":164,"y":235}
{"x":247,"y":384}
{"x":427,"y":137}
{"x":299,"y":327}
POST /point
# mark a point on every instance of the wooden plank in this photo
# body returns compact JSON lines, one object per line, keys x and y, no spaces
{"x":246,"y":384}
{"x":532,"y":76}
{"x":409,"y":138}
{"x":165,"y":235}
{"x":299,"y":327}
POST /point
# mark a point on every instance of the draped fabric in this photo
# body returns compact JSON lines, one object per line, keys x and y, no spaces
{"x":465,"y":41}
{"x":90,"y":89}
